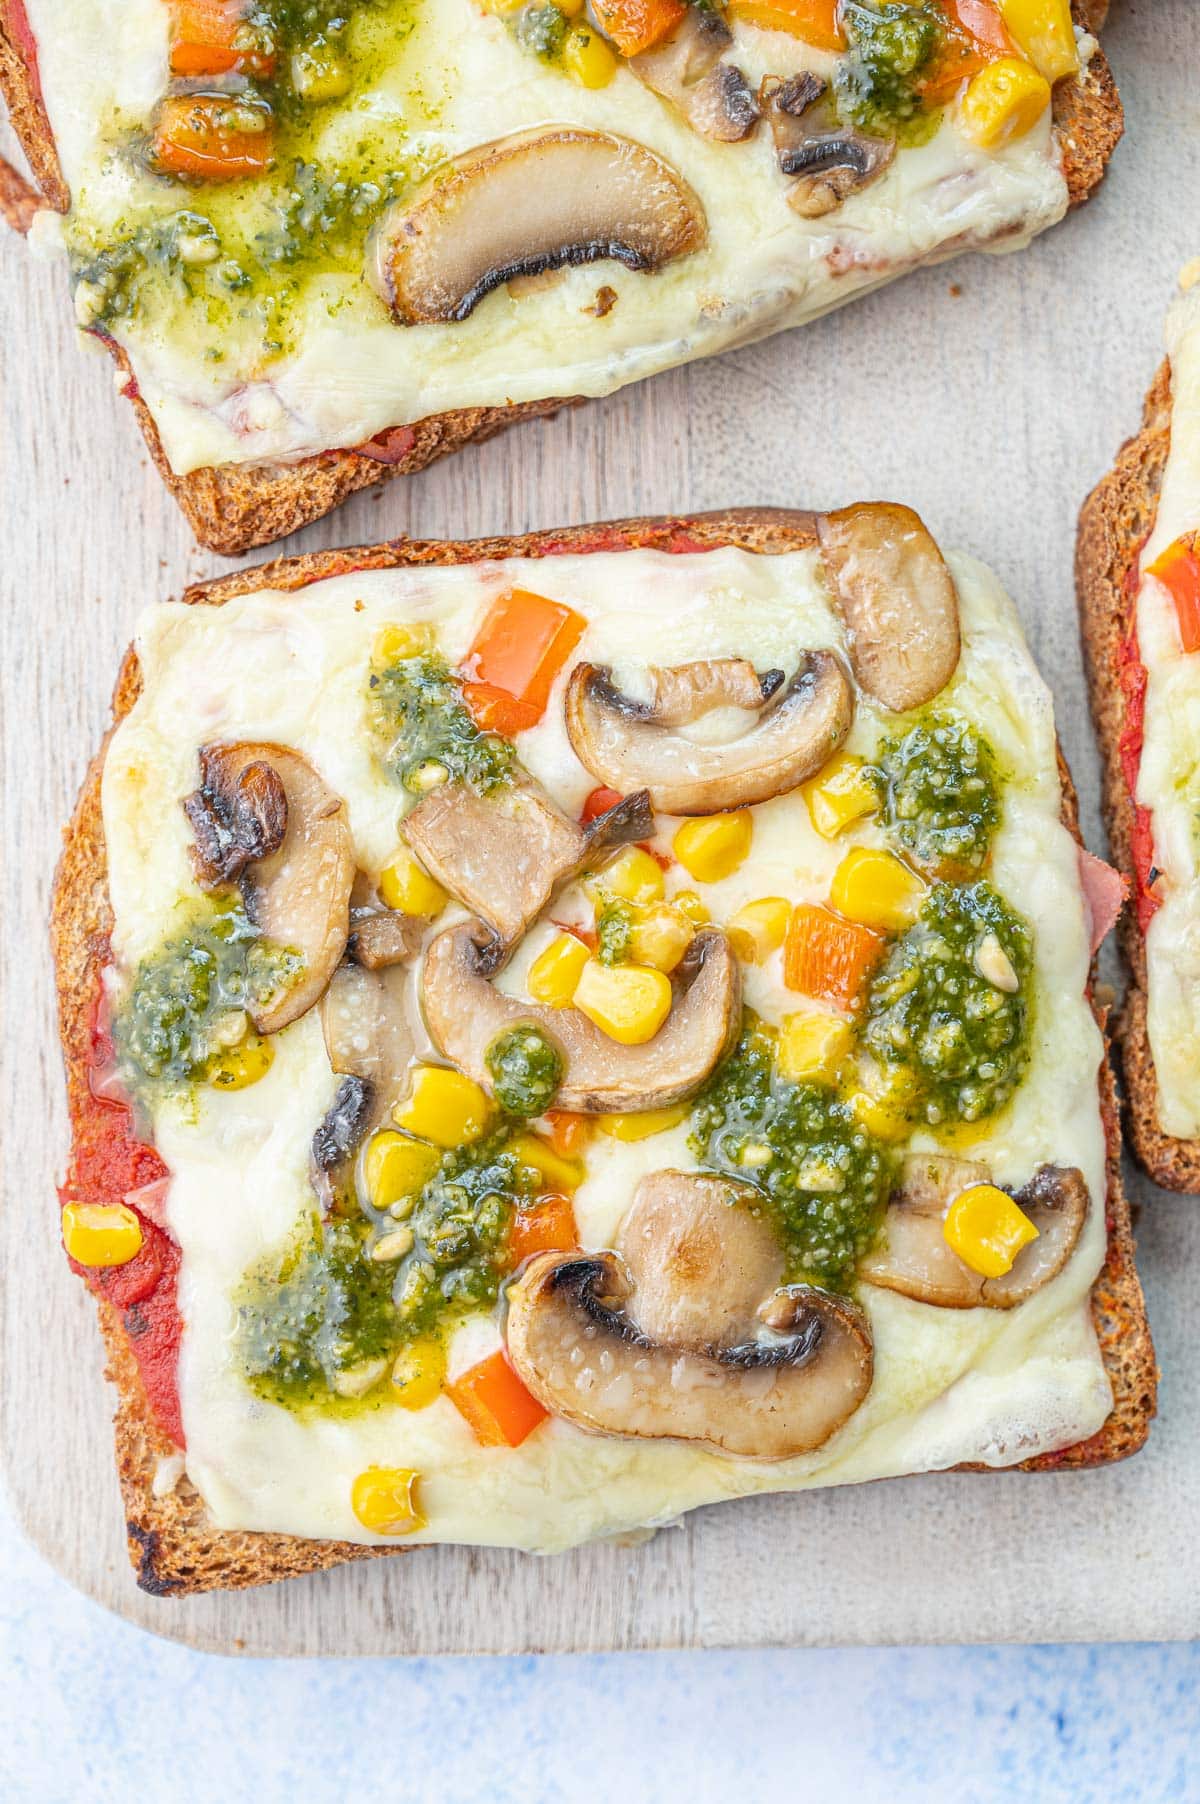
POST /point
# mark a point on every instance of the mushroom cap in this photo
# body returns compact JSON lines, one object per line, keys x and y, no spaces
{"x":624,"y":1346}
{"x":685,"y":68}
{"x":629,"y":744}
{"x":364,"y":1018}
{"x":536,"y":201}
{"x":914,"y":1257}
{"x":465,"y":1012}
{"x":829,"y":160}
{"x":897,"y":598}
{"x":299,"y":894}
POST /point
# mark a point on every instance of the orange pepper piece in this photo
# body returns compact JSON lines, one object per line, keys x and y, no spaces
{"x":494,"y":1402}
{"x":569,"y":1133}
{"x":975,"y":36}
{"x":197,"y":135}
{"x":828,"y":958}
{"x":203,"y":34}
{"x":547,"y":1227}
{"x":812,"y":21}
{"x":518,"y":652}
{"x":1178,"y":570}
{"x":634,"y":25}
{"x":599,"y":802}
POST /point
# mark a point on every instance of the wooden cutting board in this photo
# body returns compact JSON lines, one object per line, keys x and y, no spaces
{"x":989,"y":394}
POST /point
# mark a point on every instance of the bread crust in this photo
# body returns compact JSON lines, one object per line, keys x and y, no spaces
{"x":234,"y":507}
{"x":173,"y":1547}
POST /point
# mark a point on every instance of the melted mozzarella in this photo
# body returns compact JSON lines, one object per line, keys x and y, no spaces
{"x":950,"y":1386}
{"x":460,"y":81}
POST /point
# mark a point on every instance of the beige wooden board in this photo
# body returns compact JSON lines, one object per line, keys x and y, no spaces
{"x":989,"y":394}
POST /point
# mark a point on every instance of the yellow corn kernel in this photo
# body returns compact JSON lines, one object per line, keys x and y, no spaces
{"x":101,"y":1233}
{"x":876,"y":889}
{"x":627,"y":1002}
{"x":813,"y":1047}
{"x":557,"y":1173}
{"x":689,"y":903}
{"x":570,"y":9}
{"x":395,"y":643}
{"x":633,"y":875}
{"x":320,"y":77}
{"x":641,"y":1127}
{"x":445,"y":1107}
{"x":1043,"y":30}
{"x":396,"y":1167}
{"x":407,"y":885}
{"x":714,"y":846}
{"x":383,"y":1499}
{"x":987,"y":1229}
{"x":883,"y":1100}
{"x":236,"y":1067}
{"x":419,"y":1374}
{"x":1003,"y":102}
{"x":587,"y":58}
{"x":660,"y":936}
{"x":555,"y":972}
{"x":840,"y":792}
{"x":758,"y":929}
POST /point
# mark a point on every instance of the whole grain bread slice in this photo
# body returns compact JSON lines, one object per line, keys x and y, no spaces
{"x":174,"y":1547}
{"x":235,"y":507}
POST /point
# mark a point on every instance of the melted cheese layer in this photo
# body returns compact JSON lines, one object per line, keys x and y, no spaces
{"x":461,"y":81}
{"x":950,"y":1385}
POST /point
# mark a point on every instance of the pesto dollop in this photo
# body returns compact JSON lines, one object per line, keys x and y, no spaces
{"x":822,"y":1180}
{"x":426,"y":735}
{"x":614,"y":932}
{"x":877,"y":85}
{"x":526,"y":1069}
{"x":940,"y":794}
{"x":964,"y":1041}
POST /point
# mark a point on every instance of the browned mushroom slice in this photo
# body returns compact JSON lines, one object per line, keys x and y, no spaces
{"x":629,"y":744}
{"x":536,"y":201}
{"x":665,"y":1338}
{"x":914,"y":1257}
{"x":897,"y":598}
{"x":504,"y":855}
{"x":237,"y":818}
{"x":368,"y":1036}
{"x":685,"y":68}
{"x":384,"y":936}
{"x":465,"y":1012}
{"x":828,"y":160}
{"x":298,"y":891}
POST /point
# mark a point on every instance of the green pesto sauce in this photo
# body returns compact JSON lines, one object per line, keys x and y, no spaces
{"x":424,"y":733}
{"x":326,"y":1306}
{"x":822,"y":1181}
{"x":965,"y":1042}
{"x":527,"y":1069}
{"x":614,"y":932}
{"x":539,"y":29}
{"x":182,"y":1007}
{"x":940,"y":792}
{"x":877,"y":83}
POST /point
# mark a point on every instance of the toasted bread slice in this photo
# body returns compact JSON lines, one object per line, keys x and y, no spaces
{"x":234,"y":507}
{"x":173,"y":1546}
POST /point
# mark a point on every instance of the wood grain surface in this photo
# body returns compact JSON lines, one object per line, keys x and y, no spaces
{"x":990,"y":394}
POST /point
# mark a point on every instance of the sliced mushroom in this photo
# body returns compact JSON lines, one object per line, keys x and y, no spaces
{"x":915,"y":1258}
{"x":685,"y":68}
{"x":539,"y":200}
{"x":504,"y":855}
{"x":384,"y":936}
{"x":628,"y":744}
{"x":237,"y":819}
{"x":897,"y":598}
{"x":665,"y":1337}
{"x":465,"y":1012}
{"x":298,"y":890}
{"x":364,"y":1019}
{"x":829,"y":161}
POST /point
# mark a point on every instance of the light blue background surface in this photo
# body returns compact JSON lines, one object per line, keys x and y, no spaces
{"x":93,"y":1711}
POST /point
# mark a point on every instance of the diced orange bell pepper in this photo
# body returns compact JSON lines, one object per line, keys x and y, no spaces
{"x":569,"y":1133}
{"x":547,"y":1226}
{"x":492,"y":1399}
{"x":634,"y":25}
{"x":518,"y":651}
{"x":203,"y":40}
{"x":202,"y":135}
{"x":1178,"y":570}
{"x":599,"y":802}
{"x":815,"y":22}
{"x":975,"y":36}
{"x":828,"y":958}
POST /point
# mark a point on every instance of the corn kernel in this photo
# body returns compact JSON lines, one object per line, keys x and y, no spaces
{"x":987,"y":1229}
{"x":555,"y":972}
{"x":813,"y":1048}
{"x":714,"y":846}
{"x":586,"y":56}
{"x":841,"y":792}
{"x":395,"y":643}
{"x":633,"y":875}
{"x":419,"y":1374}
{"x":641,"y":1127}
{"x":883,"y":1100}
{"x":241,"y":1065}
{"x":320,"y":77}
{"x":570,"y":9}
{"x":660,"y":936}
{"x":445,"y":1107}
{"x":689,"y":903}
{"x":556,"y":1172}
{"x":396,"y":1167}
{"x":1043,"y":30}
{"x":407,"y":885}
{"x":758,"y":929}
{"x":1003,"y":102}
{"x":627,"y":1002}
{"x":383,"y":1499}
{"x":101,"y":1234}
{"x":877,"y":890}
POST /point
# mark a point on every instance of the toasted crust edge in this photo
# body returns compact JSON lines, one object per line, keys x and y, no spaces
{"x":235,"y":507}
{"x":173,"y":1548}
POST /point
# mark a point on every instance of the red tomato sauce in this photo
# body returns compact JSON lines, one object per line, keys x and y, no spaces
{"x":1132,"y":678}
